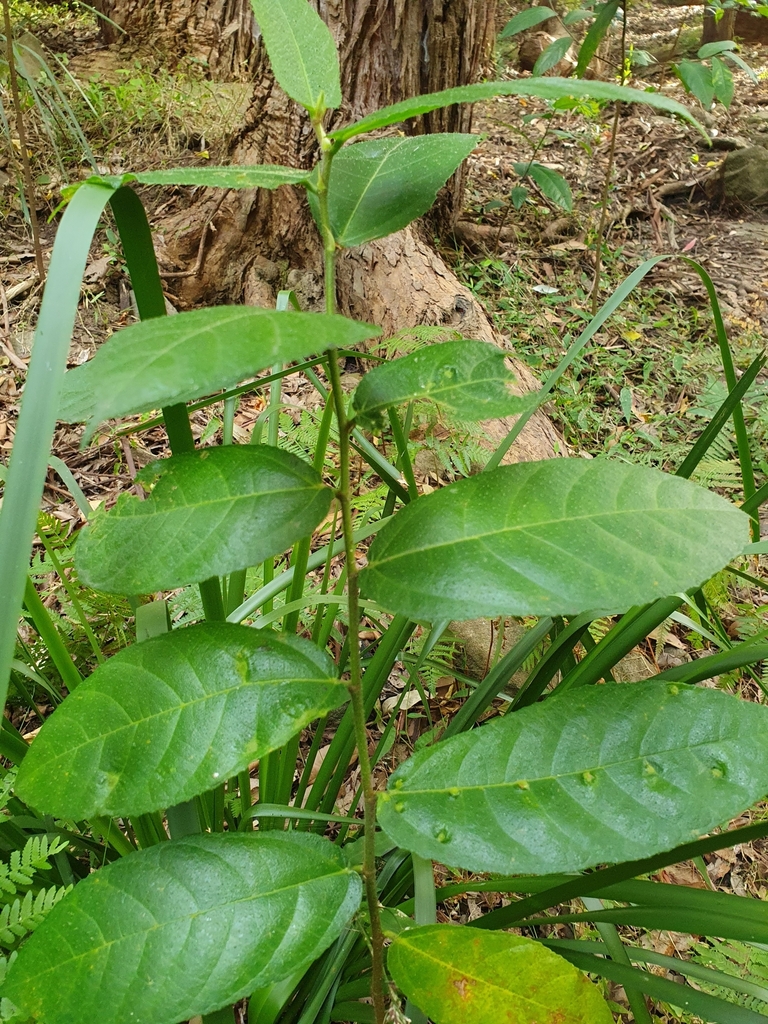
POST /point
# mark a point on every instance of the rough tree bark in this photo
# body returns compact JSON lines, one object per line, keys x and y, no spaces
{"x":219,"y":33}
{"x":735,"y":24}
{"x":261,"y":241}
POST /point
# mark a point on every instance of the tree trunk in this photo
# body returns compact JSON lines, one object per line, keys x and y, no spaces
{"x":219,"y":33}
{"x":745,"y":26}
{"x":260,"y":241}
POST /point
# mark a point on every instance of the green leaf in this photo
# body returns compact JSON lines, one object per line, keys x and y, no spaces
{"x":237,"y":176}
{"x":544,"y":88}
{"x":722,"y":82}
{"x":711,"y":49}
{"x":468,"y":379}
{"x":184,"y":928}
{"x":553,"y":185}
{"x":526,"y":19}
{"x":697,"y":79}
{"x":172,"y":717}
{"x":572,"y":17}
{"x":600,"y":774}
{"x":551,"y":538}
{"x":684,"y":909}
{"x":380,"y":186}
{"x":207,"y":513}
{"x":456,"y":974}
{"x":302,"y":52}
{"x":518,"y":195}
{"x":740,"y":62}
{"x":174,"y":359}
{"x":553,"y":54}
{"x":26,"y":474}
{"x":594,"y":37}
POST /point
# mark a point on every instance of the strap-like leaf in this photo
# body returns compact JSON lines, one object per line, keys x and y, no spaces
{"x":169,"y":718}
{"x":301,"y":50}
{"x":184,"y":928}
{"x":683,"y":909}
{"x":174,"y":359}
{"x":544,"y":88}
{"x":209,"y":512}
{"x":606,"y":14}
{"x":551,"y":538}
{"x":236,"y":176}
{"x":602,"y":774}
{"x":456,"y":975}
{"x":705,"y":1006}
{"x":468,"y":379}
{"x":380,"y":186}
{"x":28,"y":467}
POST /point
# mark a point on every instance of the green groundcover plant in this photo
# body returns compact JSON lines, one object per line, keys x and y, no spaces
{"x":579,"y":791}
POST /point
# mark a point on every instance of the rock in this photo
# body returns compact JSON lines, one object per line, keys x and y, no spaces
{"x":480,"y":640}
{"x":744,"y":176}
{"x":633,"y":668}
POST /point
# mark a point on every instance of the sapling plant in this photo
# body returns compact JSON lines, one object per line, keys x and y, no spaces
{"x":151,"y":759}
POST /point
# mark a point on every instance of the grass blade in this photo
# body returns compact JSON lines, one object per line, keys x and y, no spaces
{"x":37,"y":419}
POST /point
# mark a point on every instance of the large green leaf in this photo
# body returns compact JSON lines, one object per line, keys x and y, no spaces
{"x":380,"y":186}
{"x":208,"y":513}
{"x":599,"y":774}
{"x":550,"y":538}
{"x":456,"y":975}
{"x":526,"y":19}
{"x":301,"y":50}
{"x":173,"y":716}
{"x":544,"y":88}
{"x":174,"y":359}
{"x":236,"y":176}
{"x":468,"y":379}
{"x":697,"y":78}
{"x":184,"y":928}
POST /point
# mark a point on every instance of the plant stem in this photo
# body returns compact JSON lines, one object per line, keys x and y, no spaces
{"x":29,"y":188}
{"x":354,"y":685}
{"x":609,"y":171}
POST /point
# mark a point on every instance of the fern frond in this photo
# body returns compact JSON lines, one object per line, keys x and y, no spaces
{"x":6,"y":786}
{"x":19,"y":872}
{"x":411,"y":339}
{"x":21,"y":917}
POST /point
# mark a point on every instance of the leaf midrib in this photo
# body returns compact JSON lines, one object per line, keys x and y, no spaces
{"x":298,"y":52}
{"x":179,"y":708}
{"x":592,"y":516}
{"x":453,"y":969}
{"x":118,"y":516}
{"x":565,"y":775}
{"x":341,"y":235}
{"x":436,"y":393}
{"x":158,"y":925}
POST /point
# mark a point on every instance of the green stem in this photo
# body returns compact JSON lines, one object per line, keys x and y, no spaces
{"x":50,"y":637}
{"x":617,"y":952}
{"x":354,"y":684}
